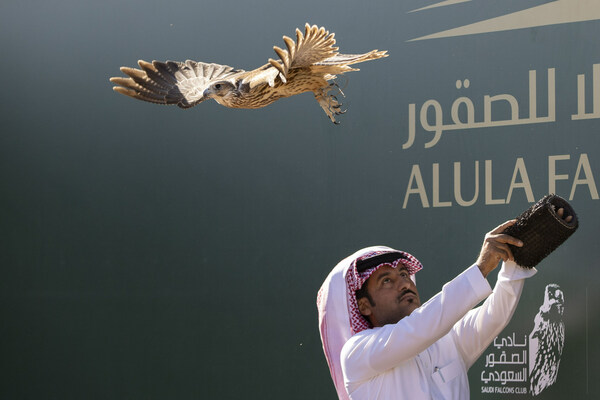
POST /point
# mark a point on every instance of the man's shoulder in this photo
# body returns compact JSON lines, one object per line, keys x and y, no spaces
{"x":360,"y":339}
{"x":363,"y":340}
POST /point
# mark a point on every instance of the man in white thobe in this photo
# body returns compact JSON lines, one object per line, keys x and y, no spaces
{"x":381,"y":343}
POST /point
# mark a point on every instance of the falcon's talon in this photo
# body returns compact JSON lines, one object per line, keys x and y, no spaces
{"x":309,"y":64}
{"x":334,"y":83}
{"x":330,"y":103}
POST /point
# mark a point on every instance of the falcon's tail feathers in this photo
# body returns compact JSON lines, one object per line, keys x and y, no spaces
{"x":349,"y":59}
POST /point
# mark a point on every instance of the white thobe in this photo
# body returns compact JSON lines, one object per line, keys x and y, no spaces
{"x":427,"y":354}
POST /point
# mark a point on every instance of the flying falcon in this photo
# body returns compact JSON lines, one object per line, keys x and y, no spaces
{"x":306,"y":66}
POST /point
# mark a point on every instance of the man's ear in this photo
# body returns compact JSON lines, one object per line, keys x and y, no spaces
{"x":364,"y":306}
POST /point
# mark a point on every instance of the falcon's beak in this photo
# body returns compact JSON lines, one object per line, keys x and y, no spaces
{"x":206,"y":93}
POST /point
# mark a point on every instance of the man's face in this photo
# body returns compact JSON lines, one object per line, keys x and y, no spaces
{"x":393,"y":293}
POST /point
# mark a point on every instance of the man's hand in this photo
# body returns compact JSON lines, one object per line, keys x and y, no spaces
{"x":495,"y":248}
{"x":496,"y":245}
{"x":561,"y":213}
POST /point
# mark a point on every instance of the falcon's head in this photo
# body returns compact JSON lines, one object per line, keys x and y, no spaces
{"x":554,"y":300}
{"x":219,"y":90}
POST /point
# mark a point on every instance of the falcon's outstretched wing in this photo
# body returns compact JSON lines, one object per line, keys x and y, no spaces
{"x":316,"y":44}
{"x":171,"y":82}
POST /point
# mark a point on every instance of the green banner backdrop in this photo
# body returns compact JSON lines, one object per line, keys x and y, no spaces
{"x":149,"y":252}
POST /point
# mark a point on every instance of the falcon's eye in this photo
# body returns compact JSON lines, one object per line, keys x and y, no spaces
{"x":218,"y":86}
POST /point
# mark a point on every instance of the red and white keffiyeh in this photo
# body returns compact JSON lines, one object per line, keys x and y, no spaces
{"x":339,"y":317}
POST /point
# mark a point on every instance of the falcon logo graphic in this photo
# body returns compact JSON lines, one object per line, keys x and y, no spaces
{"x":306,"y":66}
{"x":547,"y":340}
